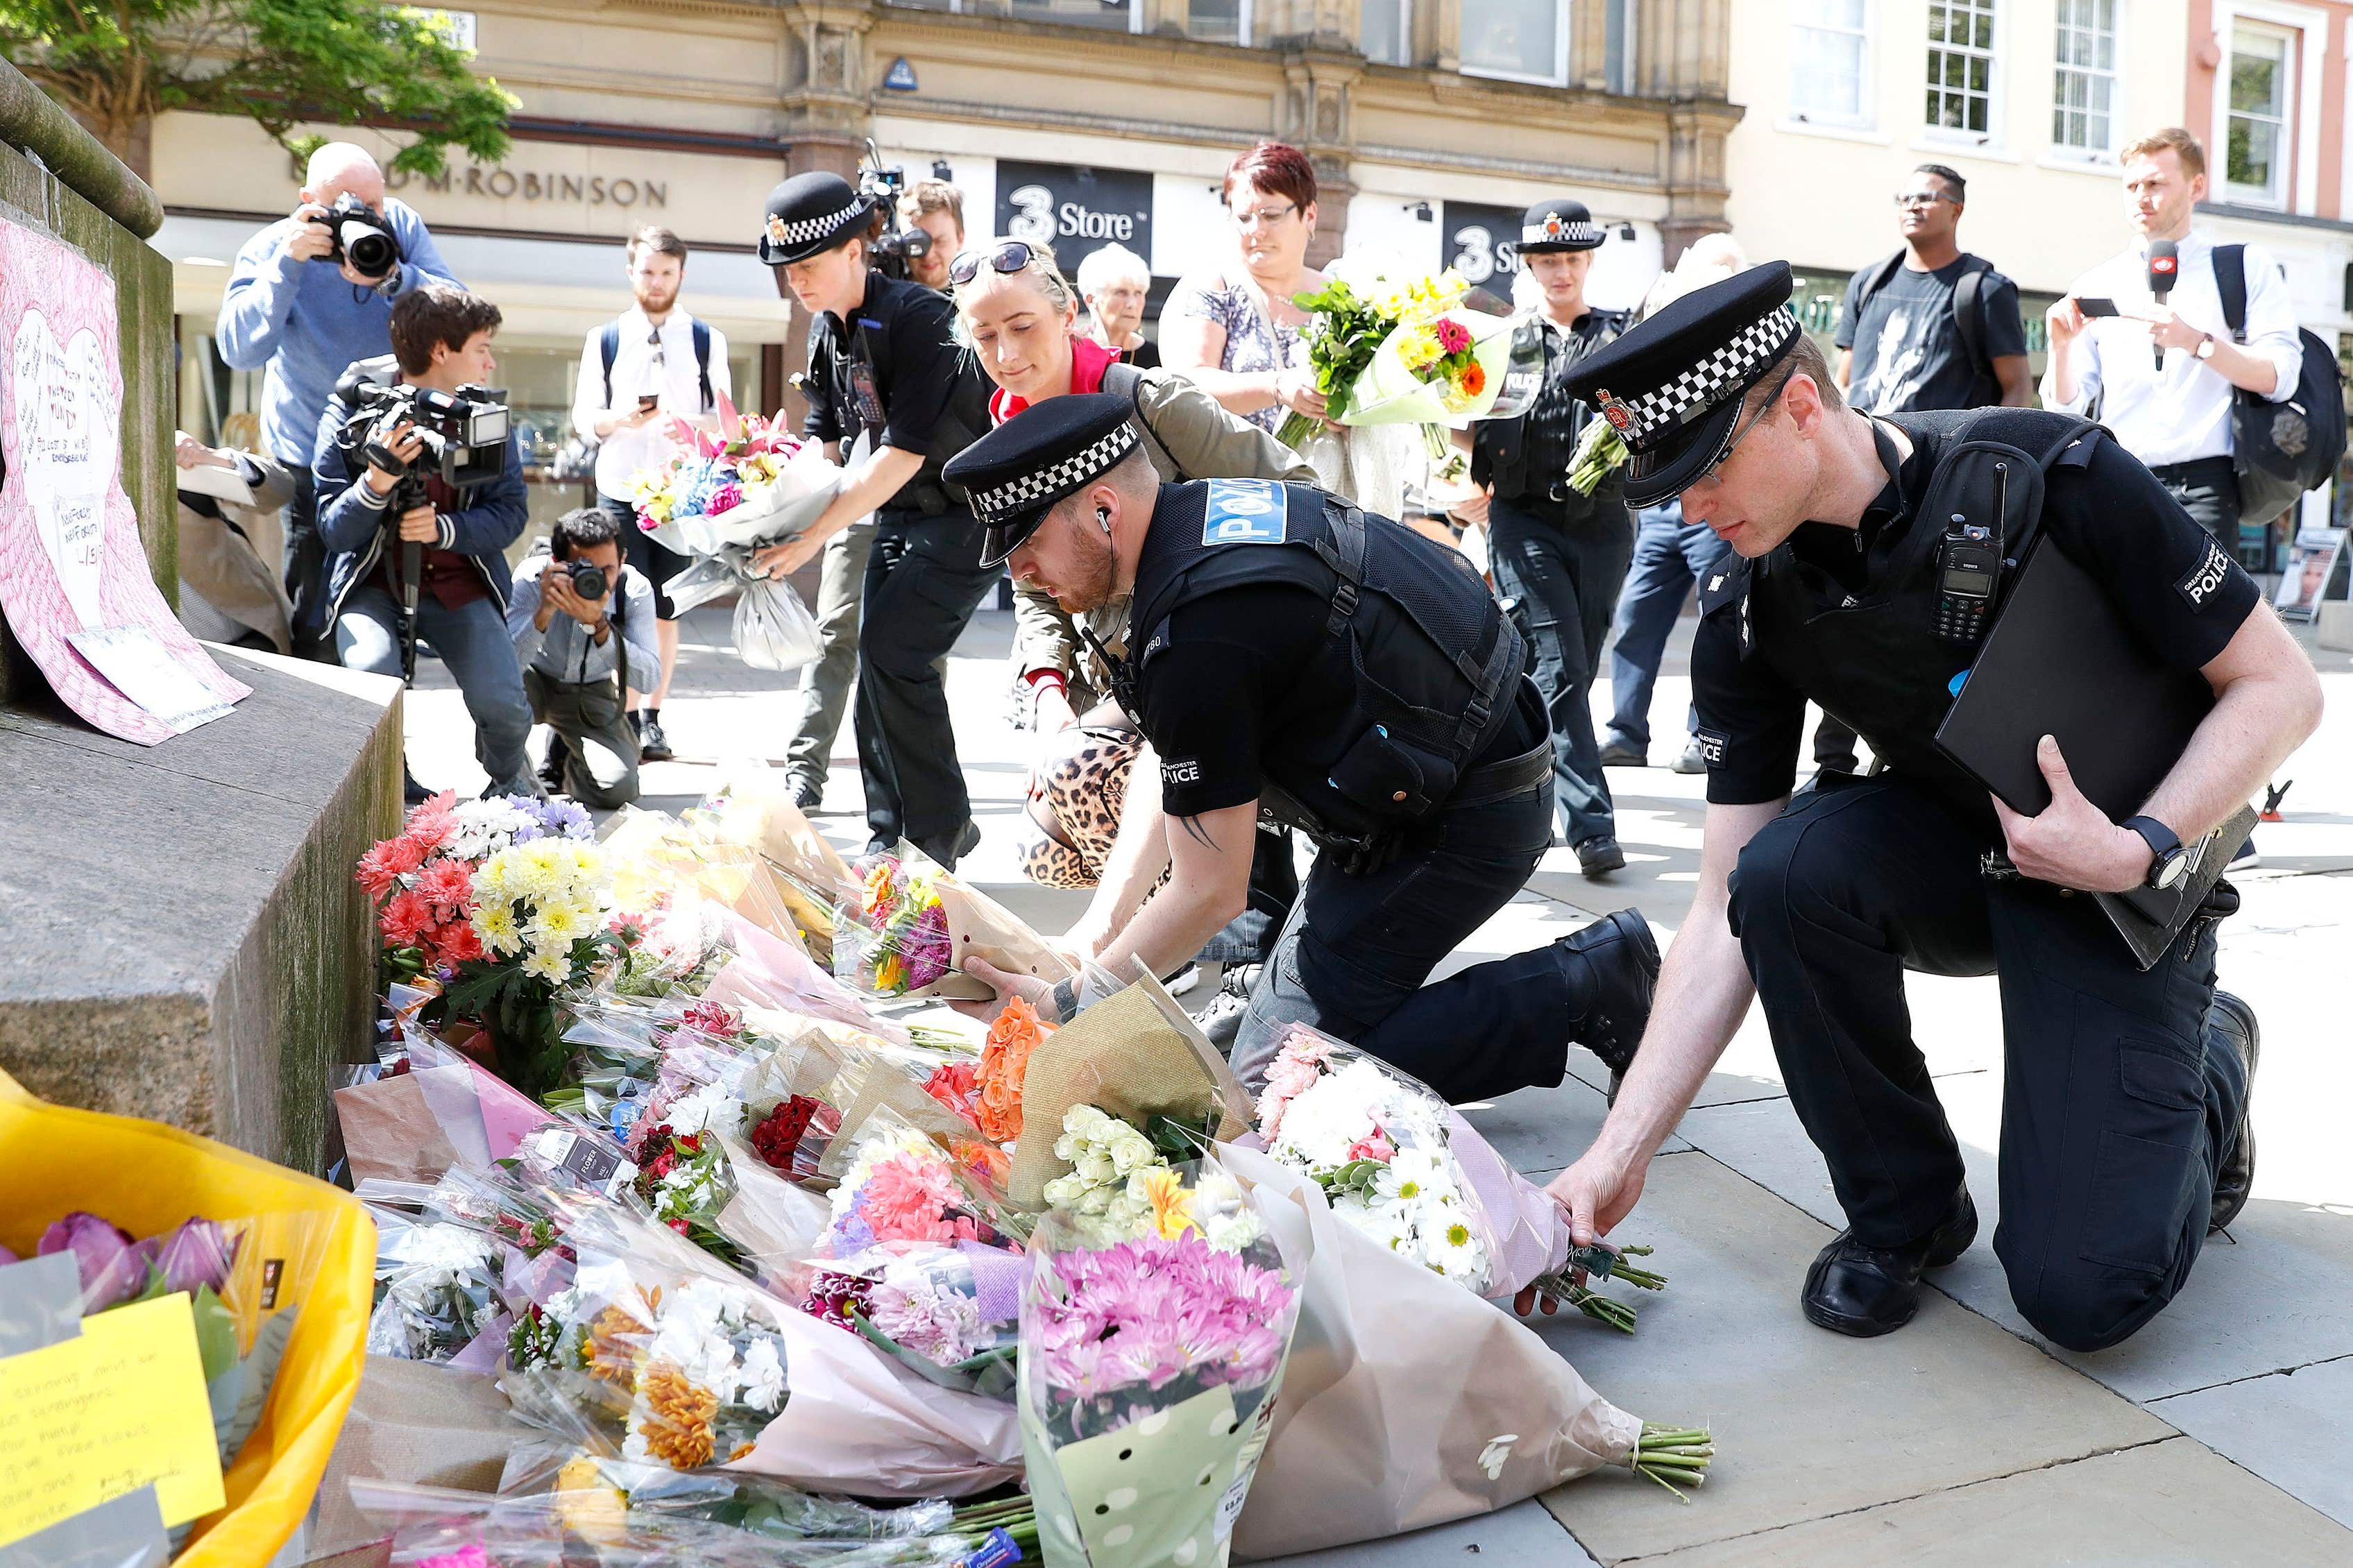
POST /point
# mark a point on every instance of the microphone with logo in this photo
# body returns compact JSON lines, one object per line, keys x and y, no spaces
{"x":2164,"y":265}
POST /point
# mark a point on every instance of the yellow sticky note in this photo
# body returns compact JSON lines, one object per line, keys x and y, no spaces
{"x":90,"y":1418}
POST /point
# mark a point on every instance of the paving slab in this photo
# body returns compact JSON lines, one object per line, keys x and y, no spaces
{"x":2293,"y":1428}
{"x":1521,"y":1536}
{"x":1541,"y":1131}
{"x":1807,"y":1424}
{"x":2272,"y":1295}
{"x":2169,"y":1502}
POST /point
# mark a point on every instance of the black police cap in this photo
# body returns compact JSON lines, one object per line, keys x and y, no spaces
{"x":1671,"y":385}
{"x":810,"y":213}
{"x":1049,"y":450}
{"x":1558,"y":224}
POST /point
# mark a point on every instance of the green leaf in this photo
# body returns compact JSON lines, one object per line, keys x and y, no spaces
{"x":216,"y":1332}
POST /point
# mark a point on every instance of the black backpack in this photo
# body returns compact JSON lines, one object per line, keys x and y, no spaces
{"x":2280,"y":449}
{"x":1969,"y":318}
{"x":610,"y":345}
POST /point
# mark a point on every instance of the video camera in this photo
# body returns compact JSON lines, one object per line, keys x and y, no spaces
{"x":465,"y":443}
{"x":895,"y":247}
{"x":362,"y":236}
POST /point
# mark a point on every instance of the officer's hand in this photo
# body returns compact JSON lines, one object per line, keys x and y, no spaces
{"x":2071,"y":843}
{"x":780,"y":561}
{"x":2063,"y":320}
{"x":1472,"y":511}
{"x":2167,"y":329}
{"x":1028,"y":987}
{"x":1595,"y":1194}
{"x":310,"y":241}
{"x":419,"y":526}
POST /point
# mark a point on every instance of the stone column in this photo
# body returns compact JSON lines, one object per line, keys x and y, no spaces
{"x":1313,"y":117}
{"x":827,"y":119}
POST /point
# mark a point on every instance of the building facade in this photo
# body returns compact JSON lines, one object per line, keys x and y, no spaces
{"x":1433,"y":125}
{"x":2030,"y":100}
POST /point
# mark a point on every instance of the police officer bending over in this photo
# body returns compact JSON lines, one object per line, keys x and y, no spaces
{"x":882,"y":361}
{"x":1361,"y":684}
{"x":2125,"y":1134}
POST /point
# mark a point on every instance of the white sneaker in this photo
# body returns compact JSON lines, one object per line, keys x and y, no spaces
{"x":2246,"y":858}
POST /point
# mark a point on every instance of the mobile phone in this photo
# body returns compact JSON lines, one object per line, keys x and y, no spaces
{"x":2098,"y":307}
{"x":647,"y":402}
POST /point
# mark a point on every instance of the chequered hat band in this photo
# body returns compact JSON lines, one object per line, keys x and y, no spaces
{"x":1052,"y":483}
{"x":1559,"y":234}
{"x":1722,"y":370}
{"x":809,"y":230}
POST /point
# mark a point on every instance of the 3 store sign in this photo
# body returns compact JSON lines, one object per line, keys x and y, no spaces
{"x":1073,"y":209}
{"x":1482,"y":242}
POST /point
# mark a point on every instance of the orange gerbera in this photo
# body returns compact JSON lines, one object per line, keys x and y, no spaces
{"x":1475,"y":379}
{"x":1004,"y":1062}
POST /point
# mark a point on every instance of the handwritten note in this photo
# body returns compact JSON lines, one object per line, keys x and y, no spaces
{"x":137,"y":664}
{"x":119,"y":1407}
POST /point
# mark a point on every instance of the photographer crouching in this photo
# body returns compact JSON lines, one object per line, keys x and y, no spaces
{"x":420,"y":493}
{"x":582,"y":624}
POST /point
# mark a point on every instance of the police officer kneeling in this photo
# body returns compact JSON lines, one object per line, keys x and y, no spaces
{"x":2124,"y":1133}
{"x":1361,"y":684}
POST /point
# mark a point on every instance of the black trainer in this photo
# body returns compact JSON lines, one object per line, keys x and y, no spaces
{"x":1618,"y":960}
{"x":809,"y":794}
{"x":1864,"y":1291}
{"x":2235,"y":1182}
{"x":411,"y":792}
{"x":1598,"y":856}
{"x":1624,"y":754}
{"x":653,"y":744}
{"x":550,"y":772}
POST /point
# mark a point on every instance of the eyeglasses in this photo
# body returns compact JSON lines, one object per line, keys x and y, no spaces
{"x":1008,"y":256}
{"x":1923,"y":198}
{"x":1715,"y":471}
{"x":1264,"y":217}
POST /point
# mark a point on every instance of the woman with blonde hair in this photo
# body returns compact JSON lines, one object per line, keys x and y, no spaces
{"x":1019,"y":319}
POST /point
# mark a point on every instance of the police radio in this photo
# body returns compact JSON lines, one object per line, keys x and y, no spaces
{"x":1968,"y":565}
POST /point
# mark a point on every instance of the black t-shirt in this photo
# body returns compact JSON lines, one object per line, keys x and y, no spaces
{"x":1250,"y":684}
{"x":1907,"y":353}
{"x":2112,"y":517}
{"x":906,"y":398}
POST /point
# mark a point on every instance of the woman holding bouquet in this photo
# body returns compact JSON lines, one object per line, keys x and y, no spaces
{"x":1019,"y":319}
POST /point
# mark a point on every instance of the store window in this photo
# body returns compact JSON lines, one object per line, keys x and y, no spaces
{"x":1113,"y":15}
{"x":1830,"y":58}
{"x":1961,"y":69}
{"x":1619,"y":23}
{"x":1520,"y":40}
{"x":2254,"y":165}
{"x":2083,"y":85}
{"x":1385,"y":32}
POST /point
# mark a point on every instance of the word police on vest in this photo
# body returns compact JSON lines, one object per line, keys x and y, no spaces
{"x":2206,"y":576}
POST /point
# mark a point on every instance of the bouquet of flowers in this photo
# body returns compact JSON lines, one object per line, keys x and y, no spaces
{"x":752,"y":483}
{"x":911,"y":926}
{"x":1401,"y":1165}
{"x":1394,"y":351}
{"x":1600,"y":451}
{"x":436,"y":1282}
{"x":949,"y":1312}
{"x":422,"y":877}
{"x":1148,"y":1373}
{"x":538,"y":913}
{"x":902,"y":1185}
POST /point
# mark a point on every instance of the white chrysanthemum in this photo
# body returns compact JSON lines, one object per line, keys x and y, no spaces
{"x":1452,"y":1248}
{"x":495,"y":924}
{"x":560,"y":923}
{"x":1332,"y":1115}
{"x":552,"y":967}
{"x":707,"y":1106}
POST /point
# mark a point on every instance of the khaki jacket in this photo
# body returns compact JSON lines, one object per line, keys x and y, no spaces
{"x":1189,"y":435}
{"x":228,"y":574}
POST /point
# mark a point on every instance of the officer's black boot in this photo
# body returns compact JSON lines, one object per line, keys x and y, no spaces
{"x":2235,"y":1022}
{"x":1613,"y":966}
{"x":1865,"y":1290}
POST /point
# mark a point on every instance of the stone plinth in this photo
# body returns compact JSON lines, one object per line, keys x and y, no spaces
{"x":184,"y":938}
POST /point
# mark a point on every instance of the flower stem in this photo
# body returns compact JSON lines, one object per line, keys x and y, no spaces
{"x":1669,"y":1455}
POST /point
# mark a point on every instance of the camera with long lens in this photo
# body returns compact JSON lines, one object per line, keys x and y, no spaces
{"x":881,"y":185}
{"x":360,"y":235}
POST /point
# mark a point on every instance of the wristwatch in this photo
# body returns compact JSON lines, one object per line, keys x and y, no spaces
{"x":2205,"y":349}
{"x":2172,"y":861}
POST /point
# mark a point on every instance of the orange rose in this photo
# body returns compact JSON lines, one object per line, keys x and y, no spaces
{"x":1004,"y":1062}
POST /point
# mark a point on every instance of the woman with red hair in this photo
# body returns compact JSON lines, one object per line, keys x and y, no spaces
{"x":1234,"y":329}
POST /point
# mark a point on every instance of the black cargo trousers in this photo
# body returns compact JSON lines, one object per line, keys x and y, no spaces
{"x":2118,"y":1099}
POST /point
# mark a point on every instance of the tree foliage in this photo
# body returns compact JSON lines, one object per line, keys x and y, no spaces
{"x":117,"y":64}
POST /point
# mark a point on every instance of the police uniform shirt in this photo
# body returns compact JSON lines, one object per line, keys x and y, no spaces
{"x":1492,"y":440}
{"x":906,"y":399}
{"x":1247,"y":683}
{"x":2171,"y":582}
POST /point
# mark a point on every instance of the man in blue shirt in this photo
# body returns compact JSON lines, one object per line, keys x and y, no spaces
{"x":442,"y":337}
{"x":293,"y":308}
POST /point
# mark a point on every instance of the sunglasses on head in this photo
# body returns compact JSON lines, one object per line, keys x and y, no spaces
{"x":1006,"y":256}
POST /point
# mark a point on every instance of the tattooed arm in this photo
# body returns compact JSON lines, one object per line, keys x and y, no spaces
{"x":1209,"y":884}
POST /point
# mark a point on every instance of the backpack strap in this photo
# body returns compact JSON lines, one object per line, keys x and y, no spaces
{"x":702,"y":363}
{"x":1121,"y":379}
{"x":1969,"y":313}
{"x":610,"y":343}
{"x":1881,"y":276}
{"x":2230,"y":282}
